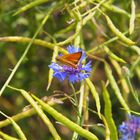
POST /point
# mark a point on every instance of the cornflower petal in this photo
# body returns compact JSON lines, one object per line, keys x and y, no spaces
{"x":129,"y":128}
{"x":83,"y":56}
{"x":60,"y":75}
{"x":55,"y":67}
{"x":83,"y":75}
{"x":72,"y":49}
{"x":73,"y":74}
{"x":87,"y":67}
{"x":73,"y":78}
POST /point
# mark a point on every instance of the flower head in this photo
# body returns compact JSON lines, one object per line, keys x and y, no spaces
{"x":62,"y":72}
{"x":129,"y":128}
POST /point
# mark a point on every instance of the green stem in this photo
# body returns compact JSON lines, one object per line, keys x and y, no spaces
{"x":80,"y":106}
{"x":16,"y":127}
{"x":115,"y":87}
{"x":30,"y":5}
{"x":24,"y":54}
{"x":105,"y":43}
{"x":74,"y":93}
{"x":39,"y":112}
{"x":7,"y":137}
{"x":35,"y":41}
{"x":28,"y":113}
{"x":64,"y":120}
{"x":92,"y":12}
{"x":134,"y":93}
{"x":95,"y":95}
{"x":18,"y":117}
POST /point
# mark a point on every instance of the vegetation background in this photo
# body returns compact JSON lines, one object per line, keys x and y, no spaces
{"x":104,"y":29}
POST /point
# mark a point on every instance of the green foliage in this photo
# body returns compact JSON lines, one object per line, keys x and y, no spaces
{"x":108,"y":114}
{"x":32,"y":35}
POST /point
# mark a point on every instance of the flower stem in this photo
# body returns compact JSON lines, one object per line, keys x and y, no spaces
{"x":39,"y":112}
{"x":64,"y":120}
{"x":24,"y":54}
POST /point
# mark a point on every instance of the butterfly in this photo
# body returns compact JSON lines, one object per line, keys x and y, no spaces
{"x":70,"y":59}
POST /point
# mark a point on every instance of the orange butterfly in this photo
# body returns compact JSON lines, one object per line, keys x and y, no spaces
{"x":70,"y":59}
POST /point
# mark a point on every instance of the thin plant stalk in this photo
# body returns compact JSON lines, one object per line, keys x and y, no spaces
{"x":24,"y":54}
{"x":39,"y":112}
{"x":64,"y":120}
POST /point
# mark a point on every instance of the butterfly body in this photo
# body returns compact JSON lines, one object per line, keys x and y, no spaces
{"x":70,"y":59}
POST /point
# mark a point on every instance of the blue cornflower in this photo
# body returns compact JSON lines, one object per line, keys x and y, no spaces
{"x":62,"y":72}
{"x":129,"y":128}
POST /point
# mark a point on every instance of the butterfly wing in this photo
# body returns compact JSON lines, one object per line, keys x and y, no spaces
{"x":73,"y":58}
{"x":70,"y":59}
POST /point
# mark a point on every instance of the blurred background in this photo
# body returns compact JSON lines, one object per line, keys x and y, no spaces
{"x":32,"y":75}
